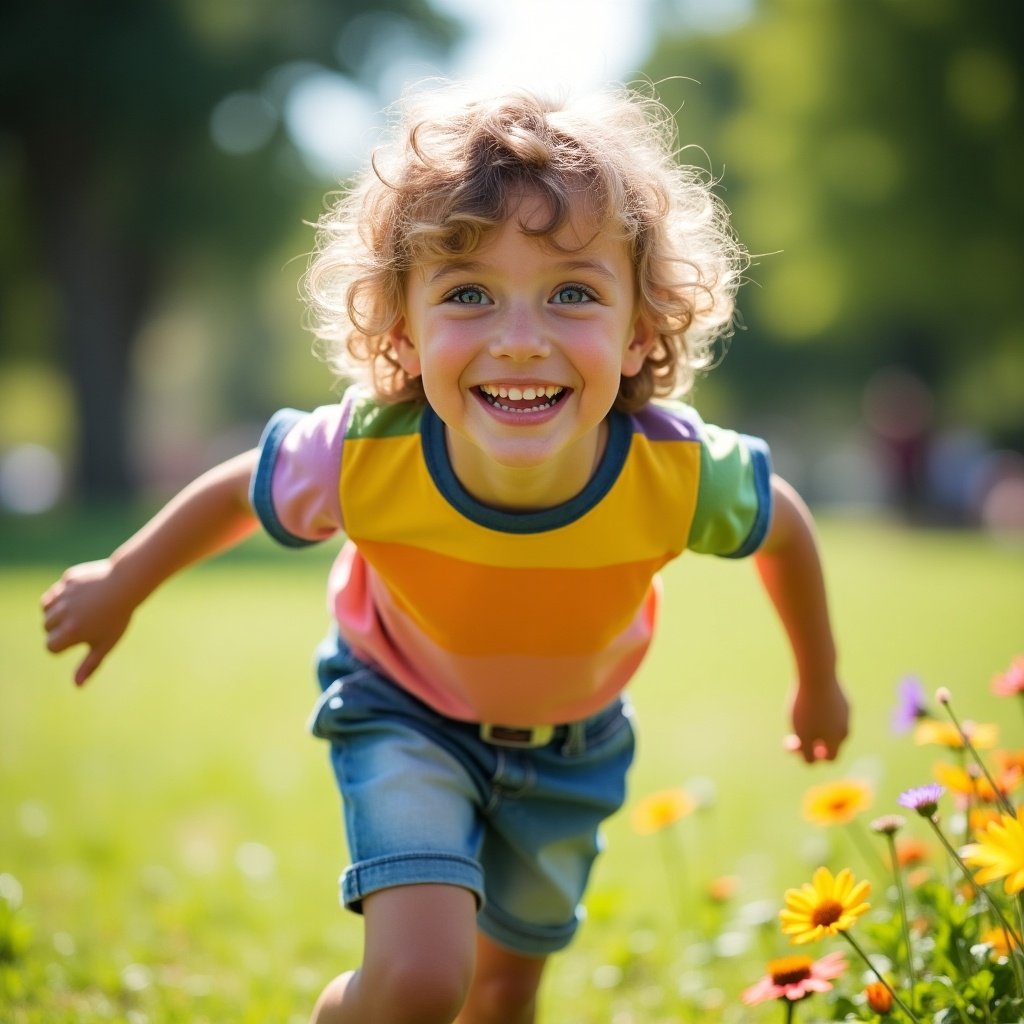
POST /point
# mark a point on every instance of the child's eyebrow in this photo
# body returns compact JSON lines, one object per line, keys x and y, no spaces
{"x":454,"y":267}
{"x":449,"y":267}
{"x":593,"y":266}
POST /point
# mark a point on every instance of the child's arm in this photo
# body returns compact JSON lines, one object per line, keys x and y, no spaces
{"x":790,"y":569}
{"x":92,"y":603}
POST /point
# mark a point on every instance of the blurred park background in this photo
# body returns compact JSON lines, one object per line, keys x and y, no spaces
{"x":160,"y":163}
{"x":168,"y":846}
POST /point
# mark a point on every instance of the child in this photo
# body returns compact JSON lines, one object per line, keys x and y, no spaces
{"x":517,"y":286}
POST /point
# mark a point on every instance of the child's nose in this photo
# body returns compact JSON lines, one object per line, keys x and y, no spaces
{"x":520,"y":337}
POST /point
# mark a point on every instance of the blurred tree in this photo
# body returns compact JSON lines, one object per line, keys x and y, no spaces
{"x":874,"y":150}
{"x":109,"y":171}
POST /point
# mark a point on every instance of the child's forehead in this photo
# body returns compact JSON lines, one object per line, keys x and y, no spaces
{"x":531,"y":212}
{"x":530,"y":215}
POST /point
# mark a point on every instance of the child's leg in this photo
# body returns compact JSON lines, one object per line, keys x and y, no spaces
{"x":417,"y":963}
{"x":504,"y":989}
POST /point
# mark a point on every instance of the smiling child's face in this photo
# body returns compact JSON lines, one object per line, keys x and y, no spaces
{"x":521,"y":347}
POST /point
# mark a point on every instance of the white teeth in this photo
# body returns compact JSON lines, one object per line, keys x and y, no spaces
{"x":496,"y":392}
{"x":517,"y":394}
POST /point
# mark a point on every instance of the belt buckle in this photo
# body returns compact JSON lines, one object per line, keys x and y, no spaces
{"x":516,"y":736}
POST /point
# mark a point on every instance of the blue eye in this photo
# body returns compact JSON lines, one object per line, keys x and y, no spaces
{"x":468,"y":295}
{"x":572,"y":295}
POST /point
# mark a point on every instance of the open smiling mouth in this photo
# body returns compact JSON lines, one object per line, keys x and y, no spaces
{"x":527,"y":399}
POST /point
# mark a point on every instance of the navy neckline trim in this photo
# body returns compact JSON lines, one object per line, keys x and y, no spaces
{"x":435,"y":453}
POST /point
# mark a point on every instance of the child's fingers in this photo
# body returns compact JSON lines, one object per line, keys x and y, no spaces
{"x":89,"y":664}
{"x":57,"y":638}
{"x":816,"y":751}
{"x":52,"y":617}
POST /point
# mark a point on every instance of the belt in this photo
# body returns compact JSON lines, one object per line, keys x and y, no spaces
{"x":517,"y":736}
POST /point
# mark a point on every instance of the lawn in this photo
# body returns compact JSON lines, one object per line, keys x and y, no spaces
{"x":170,"y":837}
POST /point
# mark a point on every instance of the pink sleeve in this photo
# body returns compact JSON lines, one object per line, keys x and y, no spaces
{"x":304,"y":481}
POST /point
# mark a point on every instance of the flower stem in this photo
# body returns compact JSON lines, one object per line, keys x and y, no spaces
{"x":979,"y":890}
{"x":1013,"y":939}
{"x":1001,"y":797}
{"x":790,"y":1007}
{"x":906,"y":923}
{"x":899,"y":1002}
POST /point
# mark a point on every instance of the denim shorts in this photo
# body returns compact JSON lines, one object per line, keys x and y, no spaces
{"x":427,"y":800}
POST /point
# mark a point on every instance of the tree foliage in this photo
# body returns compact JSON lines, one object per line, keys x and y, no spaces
{"x":109,"y":179}
{"x":872,"y":152}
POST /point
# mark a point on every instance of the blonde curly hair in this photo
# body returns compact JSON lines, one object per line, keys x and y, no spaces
{"x":457,"y":164}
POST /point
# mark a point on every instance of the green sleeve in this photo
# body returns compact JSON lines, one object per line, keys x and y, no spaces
{"x":734,"y":499}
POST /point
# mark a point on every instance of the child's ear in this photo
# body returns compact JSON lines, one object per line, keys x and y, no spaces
{"x":639,"y":347}
{"x":405,"y":351}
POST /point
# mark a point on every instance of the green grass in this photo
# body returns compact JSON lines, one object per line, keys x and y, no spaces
{"x":170,"y":836}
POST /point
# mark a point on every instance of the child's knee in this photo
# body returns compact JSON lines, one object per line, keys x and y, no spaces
{"x":420,"y":985}
{"x":420,"y":953}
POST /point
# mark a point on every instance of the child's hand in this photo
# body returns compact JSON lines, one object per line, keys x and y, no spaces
{"x":821,"y":717}
{"x":86,"y":606}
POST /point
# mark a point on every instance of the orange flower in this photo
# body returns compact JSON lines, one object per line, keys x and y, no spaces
{"x":1010,"y":760}
{"x":983,"y":736}
{"x":911,"y":852}
{"x":836,"y":803}
{"x":722,"y":889}
{"x":878,"y":996}
{"x":998,"y":939}
{"x":659,"y":810}
{"x":981,"y":817}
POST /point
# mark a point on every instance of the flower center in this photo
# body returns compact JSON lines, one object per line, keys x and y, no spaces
{"x":827,"y":913}
{"x":789,"y":970}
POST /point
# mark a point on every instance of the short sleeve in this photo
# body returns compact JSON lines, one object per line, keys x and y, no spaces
{"x":294,"y":488}
{"x":734,"y":500}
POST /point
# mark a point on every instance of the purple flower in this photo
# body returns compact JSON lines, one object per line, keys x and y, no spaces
{"x":923,"y":799}
{"x":910,"y":704}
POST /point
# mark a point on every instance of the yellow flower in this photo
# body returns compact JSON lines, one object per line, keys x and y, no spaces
{"x":825,"y":906}
{"x":836,"y":803}
{"x":999,"y":852}
{"x":972,"y":785}
{"x":661,"y":809}
{"x":983,"y":736}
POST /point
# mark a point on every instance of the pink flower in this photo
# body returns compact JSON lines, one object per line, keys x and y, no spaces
{"x":795,"y":977}
{"x":1011,"y":682}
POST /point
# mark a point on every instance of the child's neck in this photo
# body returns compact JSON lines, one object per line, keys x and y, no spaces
{"x":525,"y":488}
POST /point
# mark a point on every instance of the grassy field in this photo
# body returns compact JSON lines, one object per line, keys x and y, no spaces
{"x":170,"y":836}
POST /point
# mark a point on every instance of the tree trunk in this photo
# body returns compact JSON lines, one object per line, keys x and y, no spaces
{"x":103,"y":283}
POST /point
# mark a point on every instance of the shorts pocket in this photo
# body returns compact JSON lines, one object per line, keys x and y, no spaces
{"x":348,"y":699}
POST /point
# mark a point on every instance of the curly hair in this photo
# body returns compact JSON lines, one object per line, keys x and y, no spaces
{"x":457,"y":164}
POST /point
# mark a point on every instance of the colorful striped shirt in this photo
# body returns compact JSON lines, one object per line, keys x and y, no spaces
{"x":522,"y":618}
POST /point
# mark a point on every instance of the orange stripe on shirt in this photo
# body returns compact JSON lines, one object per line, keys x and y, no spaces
{"x":472,"y":609}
